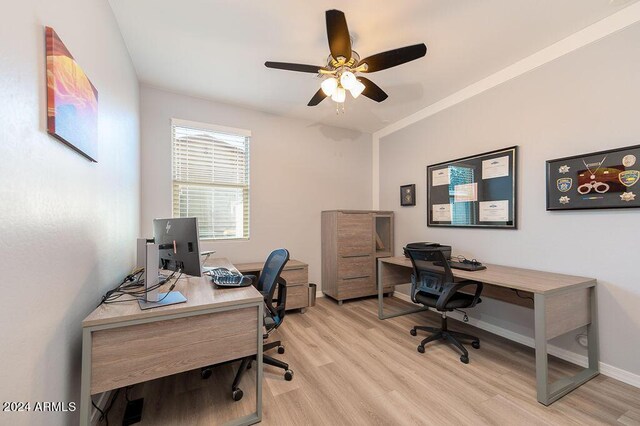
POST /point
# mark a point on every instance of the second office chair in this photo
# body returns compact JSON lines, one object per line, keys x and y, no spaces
{"x":433,"y":286}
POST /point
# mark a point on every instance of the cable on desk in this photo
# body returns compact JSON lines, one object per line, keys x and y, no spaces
{"x":522,"y":297}
{"x":124,"y":289}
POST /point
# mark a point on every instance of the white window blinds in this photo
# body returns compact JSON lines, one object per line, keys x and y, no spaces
{"x":211,"y":178}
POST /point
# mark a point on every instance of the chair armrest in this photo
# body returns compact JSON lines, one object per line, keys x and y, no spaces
{"x":282,"y":296}
{"x":453,"y":288}
{"x":254,"y":281}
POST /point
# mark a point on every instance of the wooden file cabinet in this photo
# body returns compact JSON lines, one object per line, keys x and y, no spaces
{"x":351,"y":243}
{"x":296,"y":274}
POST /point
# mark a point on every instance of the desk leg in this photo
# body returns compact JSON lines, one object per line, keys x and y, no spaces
{"x":85,"y":383}
{"x":542,"y":358}
{"x":259,"y":364}
{"x":550,"y":392}
{"x":255,"y":417}
{"x":380,"y":281}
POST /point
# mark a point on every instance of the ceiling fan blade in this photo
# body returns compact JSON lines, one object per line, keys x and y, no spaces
{"x":313,"y":69}
{"x":317,"y":98}
{"x":393,"y":58}
{"x":338,"y":34}
{"x":372,"y":90}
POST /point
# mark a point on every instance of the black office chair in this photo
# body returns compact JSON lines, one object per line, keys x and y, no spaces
{"x":274,"y":313}
{"x":432,"y":285}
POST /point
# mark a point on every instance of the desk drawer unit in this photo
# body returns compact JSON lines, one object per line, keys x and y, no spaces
{"x":296,"y":274}
{"x":349,"y":252}
{"x":132,"y":354}
{"x":356,"y":287}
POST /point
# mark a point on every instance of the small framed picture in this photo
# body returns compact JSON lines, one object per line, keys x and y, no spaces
{"x":408,"y":195}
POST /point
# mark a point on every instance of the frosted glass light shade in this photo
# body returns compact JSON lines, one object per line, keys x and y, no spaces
{"x":357,"y":89}
{"x":329,"y":86}
{"x":348,"y":80}
{"x":339,"y":95}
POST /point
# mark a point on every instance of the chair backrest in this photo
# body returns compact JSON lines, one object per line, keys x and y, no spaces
{"x":271,"y":273}
{"x":431,"y":270}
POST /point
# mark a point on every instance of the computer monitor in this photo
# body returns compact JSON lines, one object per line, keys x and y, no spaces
{"x":178,"y":244}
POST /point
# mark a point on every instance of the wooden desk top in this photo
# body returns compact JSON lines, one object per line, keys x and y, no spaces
{"x":257,"y":266}
{"x":199,"y":291}
{"x":506,"y":276}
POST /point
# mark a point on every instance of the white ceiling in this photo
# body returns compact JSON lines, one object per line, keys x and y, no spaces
{"x":216,"y":49}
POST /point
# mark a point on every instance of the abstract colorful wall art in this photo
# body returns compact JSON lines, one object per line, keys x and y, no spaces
{"x":72,"y":101}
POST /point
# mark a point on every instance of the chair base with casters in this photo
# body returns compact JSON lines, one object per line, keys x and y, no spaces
{"x":443,"y":333}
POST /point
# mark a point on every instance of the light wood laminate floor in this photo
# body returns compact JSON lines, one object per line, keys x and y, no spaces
{"x":353,"y":369}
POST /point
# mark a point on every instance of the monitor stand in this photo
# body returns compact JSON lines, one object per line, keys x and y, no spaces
{"x":149,"y":259}
{"x":164,"y":299}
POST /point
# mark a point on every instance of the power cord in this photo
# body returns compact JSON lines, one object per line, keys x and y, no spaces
{"x":104,"y":414}
{"x":130,"y":287}
{"x":522,"y":297}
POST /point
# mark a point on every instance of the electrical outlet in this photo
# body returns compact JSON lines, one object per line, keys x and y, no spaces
{"x":583,"y":341}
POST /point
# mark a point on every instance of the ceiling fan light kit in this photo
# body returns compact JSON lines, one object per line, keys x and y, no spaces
{"x":343,"y":65}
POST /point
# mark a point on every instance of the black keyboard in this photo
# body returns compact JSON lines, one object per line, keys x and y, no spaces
{"x":222,"y":277}
{"x":467,"y":266}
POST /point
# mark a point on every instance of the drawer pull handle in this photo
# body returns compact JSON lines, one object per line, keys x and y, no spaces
{"x":355,"y":255}
{"x":295,"y":269}
{"x":356,"y":278}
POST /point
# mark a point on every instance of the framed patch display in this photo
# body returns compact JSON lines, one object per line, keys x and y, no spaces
{"x":408,"y":195}
{"x":599,"y":180}
{"x":474,"y":192}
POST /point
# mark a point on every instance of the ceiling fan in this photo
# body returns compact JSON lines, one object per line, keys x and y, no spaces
{"x":344,"y":63}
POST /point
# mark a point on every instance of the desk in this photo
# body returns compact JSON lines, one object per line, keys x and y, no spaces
{"x":562,"y":303}
{"x":123,"y":345}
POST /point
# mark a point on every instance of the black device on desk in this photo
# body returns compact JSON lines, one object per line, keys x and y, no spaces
{"x":460,"y":262}
{"x":457,"y":262}
{"x":222,"y":277}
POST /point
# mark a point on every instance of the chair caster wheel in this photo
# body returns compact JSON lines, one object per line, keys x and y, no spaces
{"x":464,"y":359}
{"x":475,"y":344}
{"x":421,"y":349}
{"x":288,"y":375}
{"x":205,"y":373}
{"x":280,"y":349}
{"x":237,"y":394}
{"x":413,"y":332}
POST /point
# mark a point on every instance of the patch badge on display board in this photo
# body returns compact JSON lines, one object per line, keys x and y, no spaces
{"x":564,"y":199}
{"x":629,"y":160}
{"x":628,"y":196}
{"x":564,"y":184}
{"x":563,"y":169}
{"x":629,"y":177}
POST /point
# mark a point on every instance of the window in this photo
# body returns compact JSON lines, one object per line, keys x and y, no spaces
{"x":211,"y":178}
{"x":461,"y":213}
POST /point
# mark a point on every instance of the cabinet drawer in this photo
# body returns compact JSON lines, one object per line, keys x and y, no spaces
{"x":355,"y":266}
{"x":355,"y":233}
{"x":356,"y":287}
{"x":298,"y":275}
{"x":297,"y":296}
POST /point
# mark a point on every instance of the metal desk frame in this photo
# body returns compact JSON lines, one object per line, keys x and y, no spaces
{"x":553,"y":315}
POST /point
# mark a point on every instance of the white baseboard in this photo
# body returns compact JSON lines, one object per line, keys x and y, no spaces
{"x":102,"y":402}
{"x":572,"y":357}
{"x":319,"y":293}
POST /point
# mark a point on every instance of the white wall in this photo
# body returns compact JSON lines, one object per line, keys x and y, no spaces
{"x":583,"y":102}
{"x":67,"y":226}
{"x":298,"y":169}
